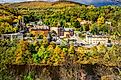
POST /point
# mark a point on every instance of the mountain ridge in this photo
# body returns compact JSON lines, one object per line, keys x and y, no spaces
{"x":96,"y":3}
{"x":43,"y":4}
{"x":99,"y":2}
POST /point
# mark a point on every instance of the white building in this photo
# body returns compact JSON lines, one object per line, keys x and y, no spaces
{"x":12,"y":36}
{"x":95,"y":39}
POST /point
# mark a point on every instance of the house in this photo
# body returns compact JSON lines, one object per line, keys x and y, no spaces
{"x":12,"y":36}
{"x":95,"y":39}
{"x":37,"y":30}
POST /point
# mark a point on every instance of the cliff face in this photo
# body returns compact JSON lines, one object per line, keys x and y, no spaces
{"x":65,"y":72}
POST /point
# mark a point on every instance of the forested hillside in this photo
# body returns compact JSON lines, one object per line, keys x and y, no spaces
{"x":69,"y":14}
{"x":43,"y":4}
{"x":8,"y":16}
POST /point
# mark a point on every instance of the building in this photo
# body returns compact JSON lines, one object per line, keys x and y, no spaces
{"x":65,"y":32}
{"x":54,"y":29}
{"x":95,"y":39}
{"x":37,"y":30}
{"x":12,"y":36}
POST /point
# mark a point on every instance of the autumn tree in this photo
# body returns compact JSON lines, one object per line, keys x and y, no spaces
{"x":100,"y":20}
{"x":23,"y":54}
{"x":56,"y":56}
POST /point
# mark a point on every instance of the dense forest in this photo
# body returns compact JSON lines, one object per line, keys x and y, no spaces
{"x":70,"y":14}
{"x":9,"y":16}
{"x":21,"y":60}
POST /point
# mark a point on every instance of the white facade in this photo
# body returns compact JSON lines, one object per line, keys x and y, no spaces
{"x":95,"y":39}
{"x":12,"y":36}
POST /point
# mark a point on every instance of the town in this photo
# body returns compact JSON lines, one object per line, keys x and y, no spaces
{"x":59,"y":35}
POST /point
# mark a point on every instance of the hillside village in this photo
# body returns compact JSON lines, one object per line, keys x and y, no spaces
{"x":79,"y":33}
{"x":59,"y":35}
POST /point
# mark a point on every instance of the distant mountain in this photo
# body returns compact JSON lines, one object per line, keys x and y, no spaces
{"x":106,"y":3}
{"x":44,"y":4}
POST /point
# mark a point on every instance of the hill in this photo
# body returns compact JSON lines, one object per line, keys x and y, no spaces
{"x":43,"y":4}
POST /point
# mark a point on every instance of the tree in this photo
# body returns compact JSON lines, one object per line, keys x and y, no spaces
{"x":71,"y":49}
{"x":102,"y":49}
{"x":43,"y":53}
{"x":94,"y":28}
{"x":45,"y":42}
{"x":23,"y":55}
{"x":5,"y":28}
{"x":56,"y":56}
{"x":7,"y":51}
{"x":100,"y":20}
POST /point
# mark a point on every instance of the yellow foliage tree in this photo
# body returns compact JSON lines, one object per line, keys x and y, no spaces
{"x":101,"y":20}
{"x":56,"y":56}
{"x":22,"y":53}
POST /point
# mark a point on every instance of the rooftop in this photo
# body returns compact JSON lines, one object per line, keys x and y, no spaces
{"x":43,"y":27}
{"x":68,"y":29}
{"x":13,"y":34}
{"x":98,"y":36}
